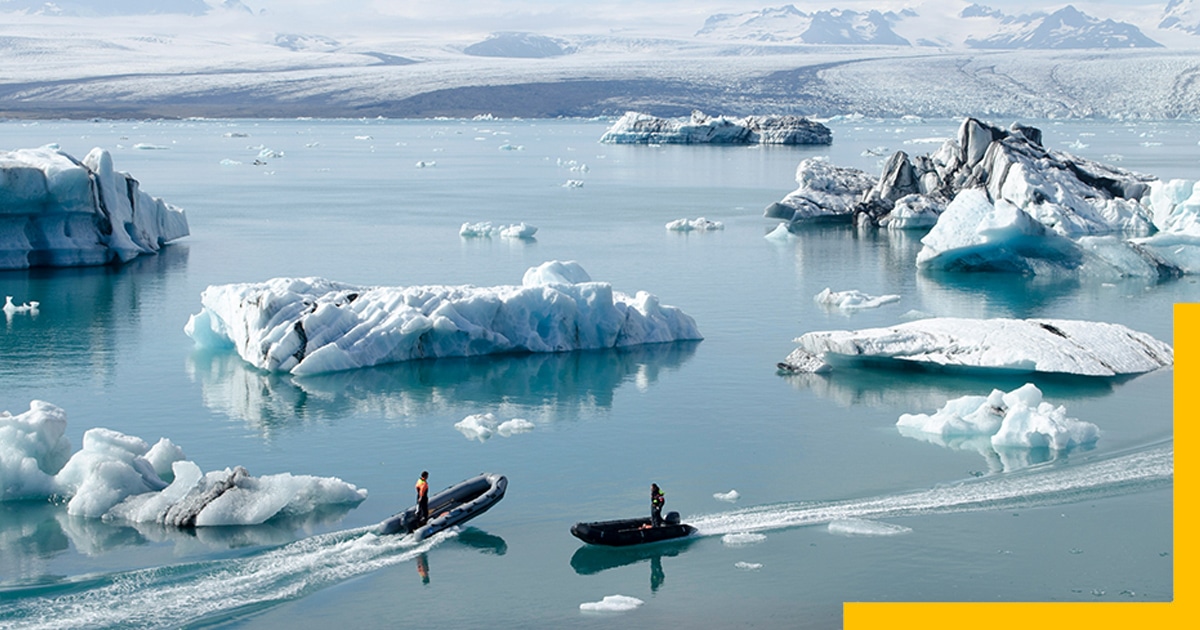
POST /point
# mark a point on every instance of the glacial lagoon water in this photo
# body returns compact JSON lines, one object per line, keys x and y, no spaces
{"x":381,"y":202}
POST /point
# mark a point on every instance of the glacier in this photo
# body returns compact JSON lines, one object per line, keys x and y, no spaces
{"x":57,"y":211}
{"x":315,"y":325}
{"x":639,"y":128}
{"x":1001,"y":345}
{"x":120,"y":477}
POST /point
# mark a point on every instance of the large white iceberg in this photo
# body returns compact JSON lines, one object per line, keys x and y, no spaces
{"x":56,"y":211}
{"x":313,"y":325}
{"x":639,"y":128}
{"x":118,"y":476}
{"x":1006,"y":345}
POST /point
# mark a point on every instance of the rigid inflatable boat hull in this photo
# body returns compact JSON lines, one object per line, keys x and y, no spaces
{"x":453,"y":506}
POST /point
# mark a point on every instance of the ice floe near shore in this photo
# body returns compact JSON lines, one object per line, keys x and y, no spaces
{"x":314,"y":325}
{"x":1002,"y":345}
{"x":57,"y":211}
{"x":120,"y":477}
{"x":639,"y":128}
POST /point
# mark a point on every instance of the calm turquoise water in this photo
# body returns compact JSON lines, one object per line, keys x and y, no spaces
{"x":347,"y":201}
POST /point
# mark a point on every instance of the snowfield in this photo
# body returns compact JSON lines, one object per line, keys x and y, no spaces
{"x":223,"y":68}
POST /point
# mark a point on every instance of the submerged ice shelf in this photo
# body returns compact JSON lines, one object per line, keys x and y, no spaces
{"x":313,"y":325}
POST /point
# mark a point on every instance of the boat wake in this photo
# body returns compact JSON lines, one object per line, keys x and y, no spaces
{"x":216,"y":591}
{"x":209,"y":591}
{"x":1049,"y":484}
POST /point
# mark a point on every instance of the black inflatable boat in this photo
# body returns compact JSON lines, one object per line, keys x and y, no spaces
{"x":454,"y":505}
{"x":631,"y":531}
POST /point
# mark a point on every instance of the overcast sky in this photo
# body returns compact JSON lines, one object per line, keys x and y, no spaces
{"x":643,"y":17}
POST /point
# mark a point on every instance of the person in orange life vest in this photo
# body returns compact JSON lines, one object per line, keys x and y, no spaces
{"x":423,"y":497}
{"x":657,"y":499}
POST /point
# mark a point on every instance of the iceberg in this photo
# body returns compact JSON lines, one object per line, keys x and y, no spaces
{"x":56,"y":211}
{"x":120,"y":477}
{"x":1016,"y":419}
{"x":1011,"y":430}
{"x":699,"y":224}
{"x":639,"y":128}
{"x":1056,"y":346}
{"x":486,"y":230}
{"x":612,"y":603}
{"x":314,"y":325}
{"x":826,"y":193}
{"x":852,"y":300}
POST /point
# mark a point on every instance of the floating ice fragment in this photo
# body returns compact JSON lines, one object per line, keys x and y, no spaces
{"x":728,"y":497}
{"x":477,"y":426}
{"x":229,"y":162}
{"x":748,"y":566}
{"x":485,"y":425}
{"x":28,"y":307}
{"x":487,"y":230}
{"x":424,"y":163}
{"x":146,"y":146}
{"x":700,"y":224}
{"x":852,"y":300}
{"x":780,"y":233}
{"x":1019,"y":418}
{"x":573,"y":183}
{"x":612,"y":603}
{"x":514,"y":426}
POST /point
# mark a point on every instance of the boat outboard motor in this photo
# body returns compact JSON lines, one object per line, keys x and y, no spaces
{"x":672,"y":518}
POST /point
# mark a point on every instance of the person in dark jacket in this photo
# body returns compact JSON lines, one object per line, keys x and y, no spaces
{"x":657,"y":499}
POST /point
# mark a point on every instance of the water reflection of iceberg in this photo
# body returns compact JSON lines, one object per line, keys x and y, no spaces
{"x":928,"y":390}
{"x":998,"y":459}
{"x":65,"y":343}
{"x":564,"y":381}
{"x":33,"y":532}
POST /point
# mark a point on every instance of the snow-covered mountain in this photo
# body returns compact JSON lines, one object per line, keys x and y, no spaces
{"x":789,"y":24}
{"x":520,"y":45}
{"x":1181,"y":15}
{"x":1066,"y":28}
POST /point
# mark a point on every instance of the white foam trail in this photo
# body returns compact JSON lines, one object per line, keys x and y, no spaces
{"x":1042,"y":485}
{"x":175,"y":595}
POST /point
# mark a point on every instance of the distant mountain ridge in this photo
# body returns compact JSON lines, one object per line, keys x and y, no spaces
{"x":789,"y":24}
{"x":1066,"y":28}
{"x":1181,"y":15}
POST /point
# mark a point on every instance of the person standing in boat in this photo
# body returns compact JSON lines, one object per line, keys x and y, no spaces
{"x":423,"y":497}
{"x":657,"y":499}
